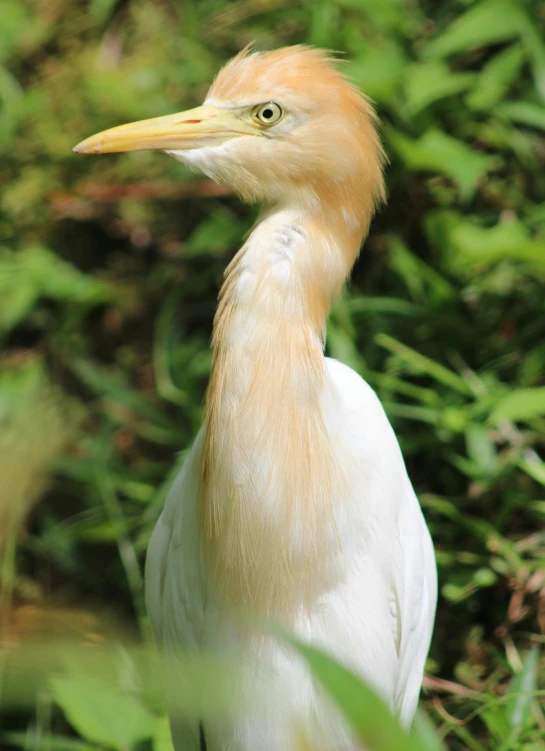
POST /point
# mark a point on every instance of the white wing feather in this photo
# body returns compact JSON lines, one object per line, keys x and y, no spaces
{"x":175,"y":590}
{"x":405,"y":556}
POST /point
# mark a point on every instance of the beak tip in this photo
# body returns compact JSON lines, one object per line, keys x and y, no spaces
{"x":87,"y":148}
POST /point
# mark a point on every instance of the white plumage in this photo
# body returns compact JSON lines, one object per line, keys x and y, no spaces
{"x":294,"y":502}
{"x":377,"y":618}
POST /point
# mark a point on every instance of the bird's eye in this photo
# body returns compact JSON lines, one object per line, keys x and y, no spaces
{"x":268,"y":114}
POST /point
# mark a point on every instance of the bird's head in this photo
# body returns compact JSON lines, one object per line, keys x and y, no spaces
{"x":276,"y":126}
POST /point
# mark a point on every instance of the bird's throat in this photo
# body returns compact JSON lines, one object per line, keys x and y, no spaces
{"x":269,"y":473}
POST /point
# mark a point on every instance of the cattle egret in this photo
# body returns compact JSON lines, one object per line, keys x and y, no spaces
{"x":294,"y":502}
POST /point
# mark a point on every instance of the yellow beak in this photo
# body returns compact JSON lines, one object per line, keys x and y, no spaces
{"x":202,"y":126}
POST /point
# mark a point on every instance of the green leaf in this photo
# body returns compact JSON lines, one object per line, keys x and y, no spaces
{"x":462,"y":583}
{"x":423,"y":364}
{"x":467,"y":245}
{"x":100,"y":689}
{"x":16,"y":301}
{"x":495,"y":719}
{"x":58,"y":280}
{"x":508,"y":240}
{"x":481,"y":448}
{"x":424,"y":733}
{"x":162,"y":740}
{"x":36,"y":272}
{"x":374,"y":724}
{"x":218,"y":233}
{"x":430,"y":81}
{"x":524,"y":113}
{"x":21,"y":27}
{"x":534,"y":469}
{"x":410,"y":412}
{"x":488,"y":22}
{"x":522,"y":404}
{"x":386,"y":305}
{"x":48,"y":742}
{"x":521,"y":693}
{"x":437,"y":152}
{"x":532,"y":39}
{"x":496,"y":78}
{"x":424,"y":282}
{"x":342,"y":347}
{"x":380,"y":70}
{"x":111,"y":385}
{"x":103,"y":713}
{"x":484,"y":577}
{"x":100,"y":10}
{"x":468,"y":738}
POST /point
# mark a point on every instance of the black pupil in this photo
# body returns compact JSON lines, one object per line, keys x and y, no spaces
{"x":268,"y":113}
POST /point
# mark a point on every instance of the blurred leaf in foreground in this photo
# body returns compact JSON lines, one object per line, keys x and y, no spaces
{"x":372,"y":721}
{"x":36,"y":424}
{"x":103,"y":713}
{"x":522,"y":693}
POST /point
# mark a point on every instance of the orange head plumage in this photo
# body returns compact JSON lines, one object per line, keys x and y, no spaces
{"x":276,"y":126}
{"x":284,"y":127}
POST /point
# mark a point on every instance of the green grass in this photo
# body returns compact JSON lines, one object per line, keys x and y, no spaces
{"x":109,"y":271}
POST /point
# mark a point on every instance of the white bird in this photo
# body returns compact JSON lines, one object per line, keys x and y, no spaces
{"x":294,"y":501}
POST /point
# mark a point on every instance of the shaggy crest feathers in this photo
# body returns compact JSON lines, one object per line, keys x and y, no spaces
{"x":338,"y":154}
{"x":296,"y":70}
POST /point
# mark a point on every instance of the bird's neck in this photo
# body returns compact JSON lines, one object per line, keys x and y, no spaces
{"x":269,"y":472}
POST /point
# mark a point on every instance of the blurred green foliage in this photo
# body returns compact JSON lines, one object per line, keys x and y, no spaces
{"x":109,"y":271}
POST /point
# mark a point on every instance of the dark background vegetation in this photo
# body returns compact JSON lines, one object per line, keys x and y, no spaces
{"x":109,"y":271}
